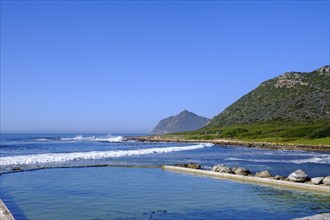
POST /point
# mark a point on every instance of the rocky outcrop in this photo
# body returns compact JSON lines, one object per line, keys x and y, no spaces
{"x":17,"y":169}
{"x":252,"y":179}
{"x":221,"y":168}
{"x":326,"y":180}
{"x":263,"y":174}
{"x":298,"y":176}
{"x":317,"y":180}
{"x":189,"y":165}
{"x":184,"y":121}
{"x":324,"y":70}
{"x":241,"y":171}
{"x":290,"y":80}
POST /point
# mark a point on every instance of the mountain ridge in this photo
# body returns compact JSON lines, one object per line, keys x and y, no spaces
{"x":290,"y":97}
{"x":184,"y":121}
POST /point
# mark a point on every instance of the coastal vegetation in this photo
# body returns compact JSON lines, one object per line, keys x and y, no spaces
{"x":291,"y":108}
{"x":295,"y":133}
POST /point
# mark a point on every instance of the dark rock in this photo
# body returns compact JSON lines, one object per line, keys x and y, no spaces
{"x":241,"y":171}
{"x":17,"y":169}
{"x":298,"y":176}
{"x":326,"y":180}
{"x":221,"y":168}
{"x":263,"y":174}
{"x":278,"y":177}
{"x":317,"y":180}
{"x":189,"y":165}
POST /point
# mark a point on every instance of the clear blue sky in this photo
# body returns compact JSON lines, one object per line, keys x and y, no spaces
{"x":113,"y":66}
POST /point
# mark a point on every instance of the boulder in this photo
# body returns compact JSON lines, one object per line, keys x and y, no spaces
{"x":263,"y":174}
{"x":309,"y":182}
{"x":326,"y":180}
{"x":298,"y":176}
{"x":215,"y":167}
{"x":317,"y":180}
{"x":17,"y":169}
{"x":221,"y":168}
{"x":189,"y":165}
{"x":278,"y":177}
{"x":241,"y":171}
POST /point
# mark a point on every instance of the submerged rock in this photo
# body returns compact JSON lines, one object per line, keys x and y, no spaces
{"x":221,"y":168}
{"x":298,"y":176}
{"x":263,"y":174}
{"x":241,"y":171}
{"x":189,"y":165}
{"x":326,"y":180}
{"x":317,"y":180}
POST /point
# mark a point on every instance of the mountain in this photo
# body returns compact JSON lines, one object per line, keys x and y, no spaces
{"x":184,"y":121}
{"x":291,"y":108}
{"x":289,"y":98}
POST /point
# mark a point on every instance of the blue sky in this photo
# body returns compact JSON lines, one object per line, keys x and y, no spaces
{"x":121,"y":66}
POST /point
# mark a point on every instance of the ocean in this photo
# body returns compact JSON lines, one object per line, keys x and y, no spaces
{"x":106,"y":177}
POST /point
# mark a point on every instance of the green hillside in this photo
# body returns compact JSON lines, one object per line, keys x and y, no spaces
{"x":291,"y":97}
{"x":293,"y":107}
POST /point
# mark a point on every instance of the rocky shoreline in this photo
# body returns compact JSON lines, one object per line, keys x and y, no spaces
{"x":298,"y":180}
{"x":262,"y":145}
{"x":298,"y":176}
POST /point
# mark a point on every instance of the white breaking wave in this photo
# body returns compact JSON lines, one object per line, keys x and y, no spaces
{"x":77,"y":138}
{"x":108,"y":138}
{"x":319,"y":160}
{"x":325,"y":160}
{"x":64,"y":157}
{"x":111,"y":139}
{"x":42,"y":139}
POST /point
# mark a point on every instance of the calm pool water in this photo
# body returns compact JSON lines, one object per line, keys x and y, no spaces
{"x":140,"y":193}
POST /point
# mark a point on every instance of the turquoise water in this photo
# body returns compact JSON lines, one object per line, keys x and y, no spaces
{"x":48,"y":191}
{"x":136,"y":193}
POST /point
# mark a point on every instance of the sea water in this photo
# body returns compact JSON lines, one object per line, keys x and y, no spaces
{"x":81,"y":191}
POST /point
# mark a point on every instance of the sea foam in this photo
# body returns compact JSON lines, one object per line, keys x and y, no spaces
{"x":93,"y":155}
{"x":108,"y":138}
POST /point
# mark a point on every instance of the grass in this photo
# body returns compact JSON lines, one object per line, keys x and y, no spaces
{"x":316,"y":133}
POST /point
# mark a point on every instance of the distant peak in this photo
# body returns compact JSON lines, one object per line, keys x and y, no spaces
{"x":186,"y":112}
{"x":184,"y":121}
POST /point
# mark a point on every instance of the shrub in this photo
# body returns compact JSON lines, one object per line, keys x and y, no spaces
{"x":320,"y":133}
{"x":234,"y":132}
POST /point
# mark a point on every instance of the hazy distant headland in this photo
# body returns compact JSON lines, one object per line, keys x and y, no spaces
{"x":184,"y":121}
